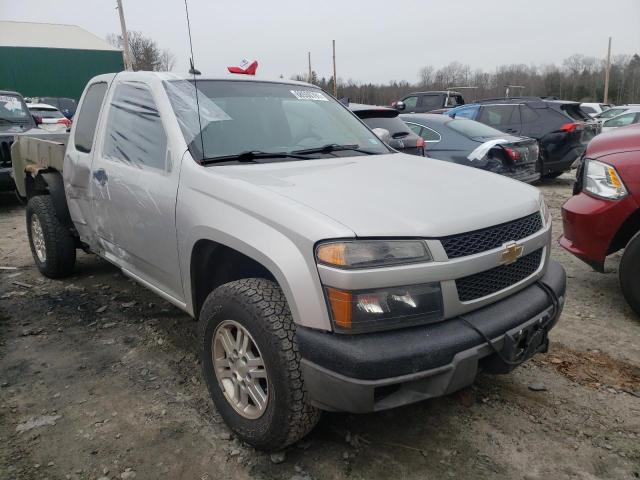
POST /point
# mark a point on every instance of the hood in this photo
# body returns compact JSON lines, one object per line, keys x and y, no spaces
{"x":395,"y":195}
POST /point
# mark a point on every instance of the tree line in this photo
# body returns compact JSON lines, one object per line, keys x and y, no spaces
{"x":579,"y":77}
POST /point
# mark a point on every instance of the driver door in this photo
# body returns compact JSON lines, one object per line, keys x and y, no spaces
{"x":135,"y":184}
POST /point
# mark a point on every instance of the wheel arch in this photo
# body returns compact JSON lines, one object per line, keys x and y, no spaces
{"x":50,"y":182}
{"x":629,"y":228}
{"x":213,"y":264}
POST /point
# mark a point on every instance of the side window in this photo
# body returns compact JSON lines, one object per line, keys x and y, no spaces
{"x":621,"y":121}
{"x":497,"y":115}
{"x":134,"y":132}
{"x":431,"y":102}
{"x":414,"y":128}
{"x":410,"y":102}
{"x":529,"y":115}
{"x":87,"y":118}
{"x":430,"y":135}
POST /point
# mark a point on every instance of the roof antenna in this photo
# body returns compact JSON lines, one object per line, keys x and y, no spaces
{"x":193,"y":71}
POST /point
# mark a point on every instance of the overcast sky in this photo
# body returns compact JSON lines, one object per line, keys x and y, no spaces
{"x":376,"y":40}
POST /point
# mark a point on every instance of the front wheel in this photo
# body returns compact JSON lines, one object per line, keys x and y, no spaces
{"x":251,"y":364}
{"x":52,"y":246}
{"x":630,"y":273}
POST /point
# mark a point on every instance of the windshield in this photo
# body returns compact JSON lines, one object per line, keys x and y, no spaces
{"x":46,"y":113}
{"x":473,"y":129}
{"x":612,"y":112}
{"x":13,"y":109}
{"x":242,"y":116}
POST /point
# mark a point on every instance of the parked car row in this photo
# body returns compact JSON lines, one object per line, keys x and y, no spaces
{"x":18,"y":117}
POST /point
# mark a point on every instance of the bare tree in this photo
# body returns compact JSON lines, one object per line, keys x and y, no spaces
{"x":145,"y":53}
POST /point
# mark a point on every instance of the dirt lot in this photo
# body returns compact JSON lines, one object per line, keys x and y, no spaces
{"x":99,"y":378}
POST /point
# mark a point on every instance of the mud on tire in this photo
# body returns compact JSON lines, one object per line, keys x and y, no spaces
{"x":52,"y":246}
{"x":260,"y":307}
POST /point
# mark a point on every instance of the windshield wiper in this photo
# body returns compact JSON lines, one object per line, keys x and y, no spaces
{"x":333,"y":147}
{"x":250,"y":156}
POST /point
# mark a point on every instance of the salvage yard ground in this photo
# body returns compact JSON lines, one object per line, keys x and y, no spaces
{"x":99,"y":379}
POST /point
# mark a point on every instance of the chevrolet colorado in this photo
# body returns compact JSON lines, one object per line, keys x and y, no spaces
{"x":326,"y":270}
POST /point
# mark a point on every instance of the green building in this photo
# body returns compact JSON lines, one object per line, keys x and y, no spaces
{"x":49,"y":60}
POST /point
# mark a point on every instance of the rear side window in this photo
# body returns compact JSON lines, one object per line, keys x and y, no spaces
{"x":134,"y":132}
{"x":529,"y":115}
{"x":88,"y":117}
{"x":431,"y":102}
{"x":426,"y":133}
{"x":498,"y":115}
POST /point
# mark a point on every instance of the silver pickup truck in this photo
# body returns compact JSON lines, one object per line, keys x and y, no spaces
{"x":326,"y":270}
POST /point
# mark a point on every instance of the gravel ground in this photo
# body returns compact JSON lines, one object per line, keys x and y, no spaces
{"x":99,"y":379}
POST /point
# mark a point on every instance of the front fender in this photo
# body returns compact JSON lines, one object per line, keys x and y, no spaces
{"x":271,"y":229}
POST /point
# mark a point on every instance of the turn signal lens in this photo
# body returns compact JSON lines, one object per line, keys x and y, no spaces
{"x":602,"y":180}
{"x":372,"y":253}
{"x":340,"y":303}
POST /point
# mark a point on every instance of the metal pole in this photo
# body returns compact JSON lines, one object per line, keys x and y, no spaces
{"x":335,"y":79}
{"x":126,"y":53}
{"x":606,"y":74}
{"x":310,"y":80}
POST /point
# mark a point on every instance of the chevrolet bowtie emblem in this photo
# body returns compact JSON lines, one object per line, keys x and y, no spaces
{"x":510,"y":253}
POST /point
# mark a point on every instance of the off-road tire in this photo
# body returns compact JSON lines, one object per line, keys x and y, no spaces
{"x":630,"y":273}
{"x":59,"y":244}
{"x":259,"y":305}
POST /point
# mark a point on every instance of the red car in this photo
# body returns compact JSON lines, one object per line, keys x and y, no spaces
{"x":603,"y":216}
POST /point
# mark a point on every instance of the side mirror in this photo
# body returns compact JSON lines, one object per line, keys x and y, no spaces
{"x":383,"y":134}
{"x":400,"y":106}
{"x":37,"y":119}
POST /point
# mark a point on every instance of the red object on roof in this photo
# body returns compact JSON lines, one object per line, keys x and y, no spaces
{"x":245,"y":68}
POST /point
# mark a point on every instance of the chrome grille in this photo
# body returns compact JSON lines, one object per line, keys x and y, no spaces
{"x":493,"y":237}
{"x":491,"y":281}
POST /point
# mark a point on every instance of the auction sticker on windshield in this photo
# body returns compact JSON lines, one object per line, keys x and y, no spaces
{"x":309,"y":95}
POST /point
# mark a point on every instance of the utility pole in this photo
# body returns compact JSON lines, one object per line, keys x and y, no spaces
{"x":126,"y":53}
{"x":335,"y":79}
{"x":310,"y":79}
{"x":606,"y":74}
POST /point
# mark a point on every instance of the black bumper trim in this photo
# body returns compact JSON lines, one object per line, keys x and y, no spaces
{"x":360,"y":373}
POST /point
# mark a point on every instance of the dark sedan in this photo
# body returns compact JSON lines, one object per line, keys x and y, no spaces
{"x":401,"y":137}
{"x":475,"y":144}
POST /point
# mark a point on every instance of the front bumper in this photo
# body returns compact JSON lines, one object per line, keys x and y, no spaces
{"x":590,"y":225}
{"x":370,"y":372}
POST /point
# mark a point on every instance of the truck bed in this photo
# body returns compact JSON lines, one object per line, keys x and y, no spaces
{"x":44,"y":150}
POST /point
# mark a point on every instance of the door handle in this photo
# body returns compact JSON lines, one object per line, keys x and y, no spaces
{"x":101,"y":176}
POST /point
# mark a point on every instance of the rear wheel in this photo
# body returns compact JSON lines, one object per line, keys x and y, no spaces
{"x":52,"y":246}
{"x":251,"y":364}
{"x":630,"y":273}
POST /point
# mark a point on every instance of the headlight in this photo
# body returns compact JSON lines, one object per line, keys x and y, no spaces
{"x":544,"y":211}
{"x":384,"y":309}
{"x":602,"y":180}
{"x":372,"y":253}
